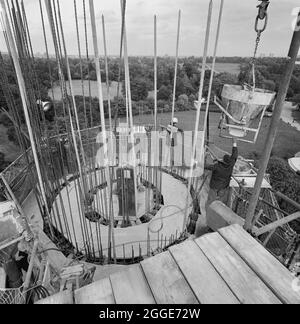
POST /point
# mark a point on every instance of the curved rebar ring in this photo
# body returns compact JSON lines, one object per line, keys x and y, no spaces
{"x":161,"y":218}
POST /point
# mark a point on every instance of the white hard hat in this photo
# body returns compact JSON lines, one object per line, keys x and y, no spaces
{"x":175,"y":120}
{"x":46,"y":106}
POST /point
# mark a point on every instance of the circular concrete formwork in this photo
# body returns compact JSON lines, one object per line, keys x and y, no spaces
{"x":138,"y":239}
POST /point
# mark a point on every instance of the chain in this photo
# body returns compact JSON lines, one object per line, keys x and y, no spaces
{"x":263,"y":16}
{"x":257,"y":41}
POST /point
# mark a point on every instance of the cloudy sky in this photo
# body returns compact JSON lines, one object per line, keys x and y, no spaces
{"x":237,"y":35}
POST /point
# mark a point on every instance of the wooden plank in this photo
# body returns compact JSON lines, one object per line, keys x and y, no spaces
{"x":63,"y":297}
{"x":266,"y":266}
{"x":242,"y":280}
{"x":130,"y":287}
{"x":99,"y":292}
{"x":166,"y":280}
{"x":206,"y":283}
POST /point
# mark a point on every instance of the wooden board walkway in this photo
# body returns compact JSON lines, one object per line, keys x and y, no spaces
{"x":225,"y":267}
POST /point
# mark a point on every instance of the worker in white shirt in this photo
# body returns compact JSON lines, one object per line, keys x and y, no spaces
{"x":172,"y":130}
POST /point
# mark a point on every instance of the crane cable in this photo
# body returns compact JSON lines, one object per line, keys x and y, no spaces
{"x":261,"y":16}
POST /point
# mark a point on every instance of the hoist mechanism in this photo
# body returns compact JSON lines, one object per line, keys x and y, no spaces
{"x":243,"y":106}
{"x":244,"y":111}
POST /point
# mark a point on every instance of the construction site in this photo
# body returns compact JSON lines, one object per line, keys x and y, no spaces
{"x":123,"y":211}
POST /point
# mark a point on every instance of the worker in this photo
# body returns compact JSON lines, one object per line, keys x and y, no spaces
{"x":172,"y":130}
{"x":221,"y":176}
{"x":48,"y":109}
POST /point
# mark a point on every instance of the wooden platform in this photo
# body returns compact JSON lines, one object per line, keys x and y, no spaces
{"x":225,"y":267}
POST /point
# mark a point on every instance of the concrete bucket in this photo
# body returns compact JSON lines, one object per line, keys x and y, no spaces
{"x":242,"y":106}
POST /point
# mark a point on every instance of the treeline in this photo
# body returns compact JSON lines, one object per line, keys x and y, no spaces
{"x":268,"y":76}
{"x":285,"y":181}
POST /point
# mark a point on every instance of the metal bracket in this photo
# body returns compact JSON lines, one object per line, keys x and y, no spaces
{"x":241,"y":126}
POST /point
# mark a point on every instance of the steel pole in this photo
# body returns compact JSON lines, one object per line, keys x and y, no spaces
{"x":292,"y":58}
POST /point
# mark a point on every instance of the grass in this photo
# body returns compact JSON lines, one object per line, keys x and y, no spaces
{"x":77,"y":87}
{"x":286,"y":143}
{"x":233,"y":68}
{"x":296,"y":115}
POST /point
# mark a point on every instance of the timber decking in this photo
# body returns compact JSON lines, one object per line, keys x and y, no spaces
{"x":225,"y":267}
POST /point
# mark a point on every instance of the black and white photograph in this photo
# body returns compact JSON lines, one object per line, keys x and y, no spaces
{"x":149,"y":155}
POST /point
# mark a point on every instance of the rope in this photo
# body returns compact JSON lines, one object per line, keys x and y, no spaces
{"x":70,"y":83}
{"x":56,"y":127}
{"x":88,"y":59}
{"x":174,"y":84}
{"x":107,"y":76}
{"x":107,"y":173}
{"x":127,"y":83}
{"x":155,"y":74}
{"x":176,"y":66}
{"x":208,"y":26}
{"x":206,"y":118}
{"x":80,"y":62}
{"x":56,"y":42}
{"x":123,"y":7}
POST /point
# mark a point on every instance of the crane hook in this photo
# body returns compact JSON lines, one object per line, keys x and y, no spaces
{"x":262,"y":9}
{"x":262,"y":15}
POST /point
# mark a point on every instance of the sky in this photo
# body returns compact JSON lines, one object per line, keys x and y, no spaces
{"x":237,"y":36}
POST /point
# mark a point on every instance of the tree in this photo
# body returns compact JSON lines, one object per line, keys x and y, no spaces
{"x":93,"y":75}
{"x":164,"y":93}
{"x":190,"y":67}
{"x":139,"y":89}
{"x":284,"y":180}
{"x":296,"y":99}
{"x":269,"y":85}
{"x":183,"y":100}
{"x":188,"y":87}
{"x":295,"y":84}
{"x":12,"y":135}
{"x":180,"y":87}
{"x":192,"y":99}
{"x":245,"y":76}
{"x":220,"y":80}
{"x":3,"y":162}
